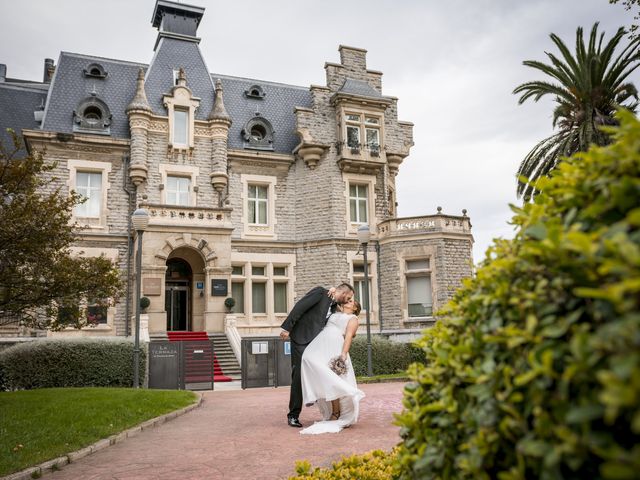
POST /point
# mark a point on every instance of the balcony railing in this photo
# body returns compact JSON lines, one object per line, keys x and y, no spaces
{"x":176,"y":215}
{"x":426,"y":224}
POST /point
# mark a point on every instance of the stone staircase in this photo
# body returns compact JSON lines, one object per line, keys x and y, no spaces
{"x":226,"y":358}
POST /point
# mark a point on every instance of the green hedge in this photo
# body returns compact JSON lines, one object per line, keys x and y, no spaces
{"x":84,"y":362}
{"x":374,"y":465}
{"x":387,"y":356}
{"x":534,"y":372}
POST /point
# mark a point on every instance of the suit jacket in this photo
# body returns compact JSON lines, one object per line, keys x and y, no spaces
{"x":308,"y":316}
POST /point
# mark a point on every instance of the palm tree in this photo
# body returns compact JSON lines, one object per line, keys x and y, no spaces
{"x":588,"y":88}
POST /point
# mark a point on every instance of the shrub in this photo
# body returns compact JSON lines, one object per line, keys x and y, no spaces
{"x":86,"y":362}
{"x":388,"y":357}
{"x":535,"y":370}
{"x":375,"y":465}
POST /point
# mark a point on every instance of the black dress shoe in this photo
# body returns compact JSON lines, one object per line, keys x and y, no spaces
{"x":294,"y":422}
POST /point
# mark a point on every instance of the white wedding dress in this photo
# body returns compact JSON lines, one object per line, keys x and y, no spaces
{"x":320,"y":385}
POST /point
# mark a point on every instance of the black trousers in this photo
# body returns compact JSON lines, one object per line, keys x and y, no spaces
{"x":295,"y":397}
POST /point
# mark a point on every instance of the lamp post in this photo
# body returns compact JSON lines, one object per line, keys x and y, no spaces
{"x":140,"y":221}
{"x":364,"y":235}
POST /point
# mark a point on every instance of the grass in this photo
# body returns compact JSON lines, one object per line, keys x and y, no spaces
{"x":39,"y":425}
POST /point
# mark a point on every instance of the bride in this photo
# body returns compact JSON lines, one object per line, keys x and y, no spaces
{"x":337,"y":397}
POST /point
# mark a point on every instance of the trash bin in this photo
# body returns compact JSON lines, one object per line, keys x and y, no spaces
{"x":266,"y":362}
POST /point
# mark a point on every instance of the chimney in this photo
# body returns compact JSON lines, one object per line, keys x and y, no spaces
{"x":3,"y":72}
{"x":49,"y":68}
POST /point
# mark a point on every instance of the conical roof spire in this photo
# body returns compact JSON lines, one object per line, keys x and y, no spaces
{"x":218,"y":112}
{"x":139,"y":101}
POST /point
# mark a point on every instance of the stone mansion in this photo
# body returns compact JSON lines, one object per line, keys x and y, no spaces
{"x":255,"y":189}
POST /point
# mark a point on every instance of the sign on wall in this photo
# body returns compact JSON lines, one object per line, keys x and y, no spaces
{"x":151,"y":286}
{"x":219,"y":287}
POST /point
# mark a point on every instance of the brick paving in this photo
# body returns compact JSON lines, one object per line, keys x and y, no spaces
{"x":241,"y":434}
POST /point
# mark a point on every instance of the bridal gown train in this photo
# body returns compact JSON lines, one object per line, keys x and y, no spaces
{"x":320,"y":385}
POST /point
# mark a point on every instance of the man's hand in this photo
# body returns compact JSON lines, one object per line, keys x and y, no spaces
{"x":284,"y":335}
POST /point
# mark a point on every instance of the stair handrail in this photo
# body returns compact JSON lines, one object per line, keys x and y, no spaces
{"x":235,"y":340}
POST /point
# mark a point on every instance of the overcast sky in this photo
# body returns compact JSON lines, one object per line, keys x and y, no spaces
{"x":452,"y":63}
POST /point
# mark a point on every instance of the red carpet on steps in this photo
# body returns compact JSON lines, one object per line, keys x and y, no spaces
{"x":218,"y":374}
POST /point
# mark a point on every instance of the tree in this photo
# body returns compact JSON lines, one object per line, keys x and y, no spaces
{"x":628,"y":5}
{"x":588,"y":88}
{"x":41,"y":283}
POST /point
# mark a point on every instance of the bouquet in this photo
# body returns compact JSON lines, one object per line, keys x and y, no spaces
{"x":338,"y":365}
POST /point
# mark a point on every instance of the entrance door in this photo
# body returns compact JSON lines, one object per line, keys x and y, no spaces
{"x":176,"y":305}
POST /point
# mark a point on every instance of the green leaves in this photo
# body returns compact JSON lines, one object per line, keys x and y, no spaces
{"x":534,"y":369}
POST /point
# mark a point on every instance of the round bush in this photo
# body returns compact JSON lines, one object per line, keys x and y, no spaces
{"x":85,"y":362}
{"x":535,"y":370}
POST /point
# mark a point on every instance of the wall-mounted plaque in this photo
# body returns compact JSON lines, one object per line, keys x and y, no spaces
{"x":151,"y":286}
{"x":219,"y":287}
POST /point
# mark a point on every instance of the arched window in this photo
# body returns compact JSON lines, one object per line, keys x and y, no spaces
{"x":92,"y":116}
{"x":255,"y":91}
{"x":95,"y":70}
{"x":258,"y":134}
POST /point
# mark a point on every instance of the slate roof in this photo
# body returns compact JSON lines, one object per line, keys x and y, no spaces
{"x":18,"y":101}
{"x":359,"y":87}
{"x":70,"y":86}
{"x":172,"y":54}
{"x":276,"y":106}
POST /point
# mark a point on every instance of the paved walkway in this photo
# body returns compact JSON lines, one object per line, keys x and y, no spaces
{"x":241,"y":434}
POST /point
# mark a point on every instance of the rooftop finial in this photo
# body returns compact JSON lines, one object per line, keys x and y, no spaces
{"x":182,"y":77}
{"x":218,"y":112}
{"x":139,"y":101}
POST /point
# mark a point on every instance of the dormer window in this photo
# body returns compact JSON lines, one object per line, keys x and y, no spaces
{"x":95,"y":70}
{"x":255,"y":91}
{"x":180,"y":127}
{"x":258,"y":134}
{"x":181,"y":108}
{"x":92,"y":116}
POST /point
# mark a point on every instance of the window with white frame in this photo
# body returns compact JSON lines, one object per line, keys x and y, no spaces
{"x":178,"y":190}
{"x":258,"y":204}
{"x":419,"y":295}
{"x":237,"y":293}
{"x":280,"y":304}
{"x":261,"y":288}
{"x":180,"y":127}
{"x":359,"y":283}
{"x":358,"y":203}
{"x":362,"y":130}
{"x":89,"y":185}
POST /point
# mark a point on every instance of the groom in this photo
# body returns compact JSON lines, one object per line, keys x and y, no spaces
{"x":304,"y":322}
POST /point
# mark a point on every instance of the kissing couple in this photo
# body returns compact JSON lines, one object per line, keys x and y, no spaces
{"x":321,"y":327}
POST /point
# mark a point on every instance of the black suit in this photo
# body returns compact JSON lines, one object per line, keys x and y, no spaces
{"x":304,"y":322}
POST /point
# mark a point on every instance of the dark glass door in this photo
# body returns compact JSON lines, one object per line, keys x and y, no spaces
{"x":177,"y":307}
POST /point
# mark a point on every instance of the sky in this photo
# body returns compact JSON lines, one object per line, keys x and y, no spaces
{"x":453,"y":64}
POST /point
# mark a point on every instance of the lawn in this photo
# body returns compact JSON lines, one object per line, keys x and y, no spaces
{"x":38,"y":425}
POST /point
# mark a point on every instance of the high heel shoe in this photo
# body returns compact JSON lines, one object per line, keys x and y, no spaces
{"x":335,"y":416}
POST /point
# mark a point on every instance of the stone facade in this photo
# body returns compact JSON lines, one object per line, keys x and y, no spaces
{"x":262,"y":213}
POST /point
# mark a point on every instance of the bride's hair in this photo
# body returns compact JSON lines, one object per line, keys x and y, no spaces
{"x":357,"y":308}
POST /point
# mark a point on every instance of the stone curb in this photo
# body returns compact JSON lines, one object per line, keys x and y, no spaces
{"x":57,"y":463}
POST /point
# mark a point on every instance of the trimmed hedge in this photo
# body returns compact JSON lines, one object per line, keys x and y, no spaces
{"x":374,"y":465}
{"x":534,"y":371}
{"x":387,"y":356}
{"x":84,"y":362}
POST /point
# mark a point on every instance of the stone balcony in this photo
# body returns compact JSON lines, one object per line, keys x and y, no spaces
{"x":439,"y":223}
{"x":182,"y":216}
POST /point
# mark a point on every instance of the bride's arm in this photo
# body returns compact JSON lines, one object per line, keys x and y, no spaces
{"x":352,"y":327}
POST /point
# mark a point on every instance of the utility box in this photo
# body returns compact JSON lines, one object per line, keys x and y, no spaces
{"x":266,"y":362}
